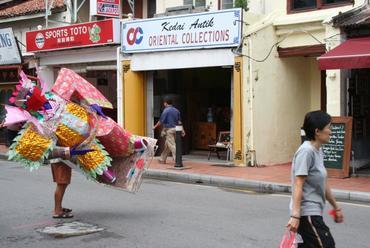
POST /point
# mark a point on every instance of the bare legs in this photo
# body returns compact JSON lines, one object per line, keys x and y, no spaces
{"x":58,"y":198}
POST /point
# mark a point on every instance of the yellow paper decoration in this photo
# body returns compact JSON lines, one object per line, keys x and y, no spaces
{"x":68,"y":137}
{"x":92,"y":160}
{"x":32,"y":145}
{"x":77,"y":111}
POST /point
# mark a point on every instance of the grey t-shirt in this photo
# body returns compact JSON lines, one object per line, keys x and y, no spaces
{"x":309,"y":161}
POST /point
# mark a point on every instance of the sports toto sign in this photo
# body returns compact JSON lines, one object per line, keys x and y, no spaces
{"x":79,"y":35}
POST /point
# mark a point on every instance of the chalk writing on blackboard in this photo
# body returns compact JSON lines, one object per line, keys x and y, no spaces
{"x":334,"y":151}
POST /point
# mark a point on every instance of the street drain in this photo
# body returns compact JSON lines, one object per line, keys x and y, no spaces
{"x":69,"y":229}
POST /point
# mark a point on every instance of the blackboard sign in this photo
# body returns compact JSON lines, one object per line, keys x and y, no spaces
{"x":334,"y":150}
{"x":337,"y":152}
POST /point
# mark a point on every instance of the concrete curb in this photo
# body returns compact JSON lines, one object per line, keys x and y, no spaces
{"x":3,"y":156}
{"x":257,"y":186}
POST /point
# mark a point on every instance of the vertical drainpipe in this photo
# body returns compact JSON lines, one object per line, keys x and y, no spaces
{"x":119,"y":88}
{"x":46,"y":14}
{"x":251,"y":150}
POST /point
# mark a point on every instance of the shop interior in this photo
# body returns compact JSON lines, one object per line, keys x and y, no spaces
{"x":203,"y":96}
{"x":103,"y":77}
{"x":8,"y":80}
{"x":359,"y":108}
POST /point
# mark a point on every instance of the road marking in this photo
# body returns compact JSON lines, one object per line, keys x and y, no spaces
{"x":341,"y":202}
{"x":355,"y":204}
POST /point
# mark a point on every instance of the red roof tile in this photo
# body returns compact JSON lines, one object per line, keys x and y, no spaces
{"x":27,"y":7}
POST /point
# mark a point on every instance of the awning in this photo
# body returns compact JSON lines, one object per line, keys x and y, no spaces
{"x":351,"y":54}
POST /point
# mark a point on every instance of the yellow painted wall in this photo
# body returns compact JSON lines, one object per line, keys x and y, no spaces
{"x":134,"y":100}
{"x":285,"y":89}
{"x":315,"y":83}
{"x":238,"y":111}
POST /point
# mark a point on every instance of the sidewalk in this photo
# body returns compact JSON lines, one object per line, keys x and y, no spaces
{"x":270,"y":179}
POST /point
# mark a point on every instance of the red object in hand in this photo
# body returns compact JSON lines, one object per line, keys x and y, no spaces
{"x":287,"y":240}
{"x":332,"y":213}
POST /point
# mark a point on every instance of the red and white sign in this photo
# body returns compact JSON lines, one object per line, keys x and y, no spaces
{"x":110,"y":8}
{"x":79,"y":35}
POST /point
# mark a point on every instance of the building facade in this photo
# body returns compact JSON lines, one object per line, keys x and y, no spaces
{"x":288,"y":82}
{"x":257,"y":88}
{"x":280,"y":81}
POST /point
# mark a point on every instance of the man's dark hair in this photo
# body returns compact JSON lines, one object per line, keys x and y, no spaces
{"x":168,"y":100}
{"x":315,"y":120}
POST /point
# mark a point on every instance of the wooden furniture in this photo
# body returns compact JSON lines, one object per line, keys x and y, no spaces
{"x":223,"y":143}
{"x":204,"y":133}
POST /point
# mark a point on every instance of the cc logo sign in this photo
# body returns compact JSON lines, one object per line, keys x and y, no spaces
{"x":134,"y":36}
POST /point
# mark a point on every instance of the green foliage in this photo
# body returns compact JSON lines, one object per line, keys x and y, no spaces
{"x":241,"y":4}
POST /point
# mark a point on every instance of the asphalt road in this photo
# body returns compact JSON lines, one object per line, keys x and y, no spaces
{"x":161,"y":215}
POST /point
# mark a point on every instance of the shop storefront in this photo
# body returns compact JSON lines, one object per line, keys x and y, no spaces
{"x":352,"y":58}
{"x":10,"y":65}
{"x":90,"y":49}
{"x":189,"y":58}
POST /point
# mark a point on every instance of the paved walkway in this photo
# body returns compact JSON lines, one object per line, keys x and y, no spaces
{"x":279,"y":174}
{"x":3,"y":149}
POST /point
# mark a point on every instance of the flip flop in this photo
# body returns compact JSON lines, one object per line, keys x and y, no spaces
{"x":66,"y":210}
{"x":63,"y":216}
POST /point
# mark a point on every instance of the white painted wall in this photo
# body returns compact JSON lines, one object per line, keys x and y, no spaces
{"x":163,"y":4}
{"x":46,"y":73}
{"x":334,"y":78}
{"x":280,"y":6}
{"x":181,"y":59}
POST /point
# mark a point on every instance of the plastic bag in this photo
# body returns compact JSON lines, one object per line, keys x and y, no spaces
{"x":290,"y":240}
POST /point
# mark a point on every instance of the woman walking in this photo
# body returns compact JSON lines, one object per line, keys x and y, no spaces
{"x":310,"y":189}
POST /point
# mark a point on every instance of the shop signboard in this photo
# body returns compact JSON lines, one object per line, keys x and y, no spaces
{"x":193,"y":31}
{"x":337,"y":152}
{"x":9,"y":51}
{"x":109,"y":8}
{"x":73,"y":36}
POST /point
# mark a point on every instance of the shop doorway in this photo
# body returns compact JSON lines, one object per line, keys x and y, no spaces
{"x":203,"y":96}
{"x":359,"y":108}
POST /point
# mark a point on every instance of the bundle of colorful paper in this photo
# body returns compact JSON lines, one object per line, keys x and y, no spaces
{"x":93,"y":143}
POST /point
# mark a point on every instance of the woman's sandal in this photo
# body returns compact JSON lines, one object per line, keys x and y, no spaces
{"x":63,"y":216}
{"x":66,"y":210}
